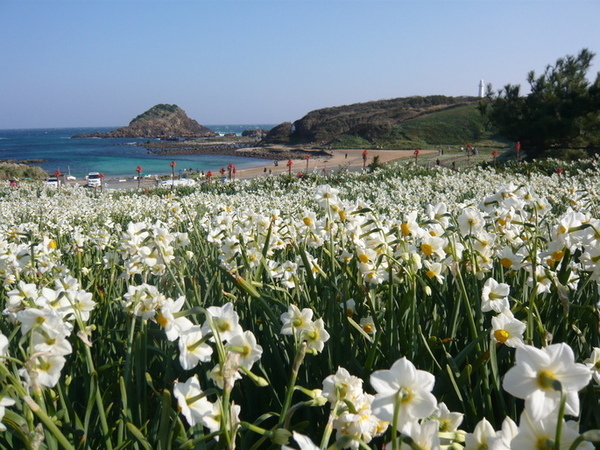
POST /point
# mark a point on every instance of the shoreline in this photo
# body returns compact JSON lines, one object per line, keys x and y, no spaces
{"x":241,"y":147}
{"x":319,"y":161}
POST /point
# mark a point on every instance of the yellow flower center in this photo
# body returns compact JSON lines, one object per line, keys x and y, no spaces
{"x":427,"y":249}
{"x":501,"y":336}
{"x":444,"y":425}
{"x":52,"y":244}
{"x":544,"y":443}
{"x":43,"y":365}
{"x":343,"y":214}
{"x":162,"y":321}
{"x":506,"y":263}
{"x":368,"y":328}
{"x":222,"y":325}
{"x":406,"y":394}
{"x":405,"y":229}
{"x":558,"y":255}
{"x":307,"y":221}
{"x":430,"y":274}
{"x":363,"y":258}
{"x":546,"y":379}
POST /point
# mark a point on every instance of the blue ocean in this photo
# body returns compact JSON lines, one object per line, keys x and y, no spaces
{"x":112,"y":157}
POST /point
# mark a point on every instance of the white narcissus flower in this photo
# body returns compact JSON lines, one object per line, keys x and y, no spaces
{"x":326,"y":196}
{"x":502,"y":439}
{"x":448,"y":421}
{"x":368,"y":325}
{"x":22,"y":292}
{"x":349,"y":307}
{"x":212,"y":419}
{"x":533,"y":432}
{"x":246,"y":346}
{"x":224,"y":320}
{"x":191,"y":403}
{"x":4,"y":402}
{"x":295,"y":321}
{"x":316,"y":335}
{"x":172,"y":325}
{"x":434,"y":270}
{"x":494,"y":296}
{"x":470,"y":221}
{"x":193,"y":349}
{"x":424,"y":435}
{"x":507,"y":330}
{"x":536,"y":373}
{"x":358,"y":422}
{"x":51,"y":341}
{"x":593,"y":362}
{"x":303,"y":441}
{"x":342,"y":385}
{"x":406,"y":388}
{"x":48,"y":369}
{"x":480,"y":435}
{"x":3,"y":346}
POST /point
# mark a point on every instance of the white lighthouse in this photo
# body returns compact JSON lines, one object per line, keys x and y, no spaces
{"x":481,"y":89}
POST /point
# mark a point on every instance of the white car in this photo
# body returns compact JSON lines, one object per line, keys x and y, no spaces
{"x":94,"y":179}
{"x":52,"y":182}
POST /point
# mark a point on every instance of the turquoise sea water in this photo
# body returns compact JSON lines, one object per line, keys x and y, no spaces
{"x":112,"y":157}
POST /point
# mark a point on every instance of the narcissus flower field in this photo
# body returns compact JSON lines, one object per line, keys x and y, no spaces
{"x":405,"y":308}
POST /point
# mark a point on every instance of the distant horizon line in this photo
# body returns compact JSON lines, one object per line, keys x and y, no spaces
{"x":120,"y":126}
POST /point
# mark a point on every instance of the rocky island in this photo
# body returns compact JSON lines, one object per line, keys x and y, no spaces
{"x":162,"y":121}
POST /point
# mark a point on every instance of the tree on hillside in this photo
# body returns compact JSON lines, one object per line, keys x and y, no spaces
{"x":561,"y":112}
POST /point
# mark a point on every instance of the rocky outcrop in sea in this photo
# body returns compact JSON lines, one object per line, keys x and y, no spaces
{"x":162,"y":121}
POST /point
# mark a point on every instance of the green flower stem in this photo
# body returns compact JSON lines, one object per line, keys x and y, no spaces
{"x":300,"y":354}
{"x":561,"y":415}
{"x":395,"y":420}
{"x":48,"y":422}
{"x":475,"y":334}
{"x":99,"y":404}
{"x":329,"y":427}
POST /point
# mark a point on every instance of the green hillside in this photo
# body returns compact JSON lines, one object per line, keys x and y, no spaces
{"x":455,"y":125}
{"x":400,"y":123}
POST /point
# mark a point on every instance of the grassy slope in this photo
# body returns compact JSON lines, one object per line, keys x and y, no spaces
{"x":449,"y":128}
{"x":20,"y":171}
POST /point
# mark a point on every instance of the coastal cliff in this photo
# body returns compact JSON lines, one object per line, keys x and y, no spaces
{"x":161,"y":121}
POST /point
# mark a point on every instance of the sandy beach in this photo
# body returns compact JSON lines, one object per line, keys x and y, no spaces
{"x":339,"y":160}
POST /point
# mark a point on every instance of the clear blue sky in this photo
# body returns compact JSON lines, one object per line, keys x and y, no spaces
{"x":102,"y":62}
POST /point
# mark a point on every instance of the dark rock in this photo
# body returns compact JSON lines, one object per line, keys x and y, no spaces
{"x":279,"y":135}
{"x":254,"y":133}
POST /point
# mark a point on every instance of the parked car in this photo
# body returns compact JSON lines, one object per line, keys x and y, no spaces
{"x":94,"y":179}
{"x":52,"y":182}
